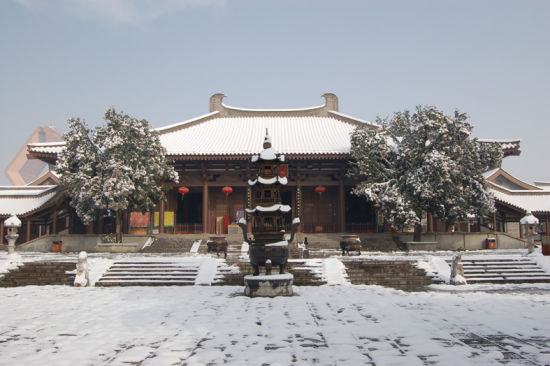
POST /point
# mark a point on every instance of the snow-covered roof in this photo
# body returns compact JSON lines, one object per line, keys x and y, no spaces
{"x":509,"y":147}
{"x":543,"y":185}
{"x":21,"y":200}
{"x":46,"y":147}
{"x":487,"y":174}
{"x":13,"y":221}
{"x":529,"y":219}
{"x":274,"y":208}
{"x":526,"y":200}
{"x":506,"y":144}
{"x":242,"y":136}
{"x":267,"y":181}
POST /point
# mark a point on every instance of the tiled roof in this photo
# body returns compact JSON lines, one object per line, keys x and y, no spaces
{"x":244,"y":136}
{"x":527,"y":200}
{"x":46,"y":147}
{"x":21,"y":200}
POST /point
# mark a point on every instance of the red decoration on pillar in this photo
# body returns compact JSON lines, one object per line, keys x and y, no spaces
{"x":227,"y":190}
{"x":183,"y":190}
{"x":320,"y":190}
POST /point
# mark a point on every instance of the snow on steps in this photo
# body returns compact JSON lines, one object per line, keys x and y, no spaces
{"x":511,"y":269}
{"x":306,"y":272}
{"x":183,"y":272}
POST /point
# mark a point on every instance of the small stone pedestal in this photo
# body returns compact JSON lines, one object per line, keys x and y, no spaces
{"x":268,"y":286}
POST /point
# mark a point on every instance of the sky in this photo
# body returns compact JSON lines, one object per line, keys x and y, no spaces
{"x":162,"y":59}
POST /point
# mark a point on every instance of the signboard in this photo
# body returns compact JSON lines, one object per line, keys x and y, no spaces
{"x":138,"y":219}
{"x":168,"y":219}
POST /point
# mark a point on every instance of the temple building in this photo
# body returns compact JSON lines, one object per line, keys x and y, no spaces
{"x":211,"y":154}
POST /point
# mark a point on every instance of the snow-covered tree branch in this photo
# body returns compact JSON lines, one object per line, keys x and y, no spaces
{"x":118,"y":167}
{"x":422,"y":162}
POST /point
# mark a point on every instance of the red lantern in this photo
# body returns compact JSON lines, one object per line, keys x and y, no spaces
{"x":320,"y":190}
{"x":183,"y":190}
{"x":227,"y":190}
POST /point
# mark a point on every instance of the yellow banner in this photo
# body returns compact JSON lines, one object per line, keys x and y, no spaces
{"x":168,"y":219}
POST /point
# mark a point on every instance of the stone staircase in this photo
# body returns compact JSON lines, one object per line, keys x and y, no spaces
{"x":182,"y":244}
{"x":328,"y":244}
{"x":164,"y":273}
{"x":503,"y":270}
{"x":403,"y":275}
{"x":306,"y":273}
{"x":166,"y":244}
{"x":38,"y":274}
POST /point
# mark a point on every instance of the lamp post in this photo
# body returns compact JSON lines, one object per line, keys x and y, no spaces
{"x":12,"y":224}
{"x":530,"y":226}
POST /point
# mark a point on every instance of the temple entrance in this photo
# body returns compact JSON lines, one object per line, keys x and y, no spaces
{"x":360,"y":214}
{"x":189,"y":213}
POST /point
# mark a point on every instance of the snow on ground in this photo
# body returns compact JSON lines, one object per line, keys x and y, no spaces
{"x":326,"y":325}
{"x":334,"y":272}
{"x":207,"y":271}
{"x":9,"y":262}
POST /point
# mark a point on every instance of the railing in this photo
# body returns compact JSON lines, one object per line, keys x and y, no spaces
{"x":314,"y":228}
{"x":186,"y":229}
{"x":361,"y":227}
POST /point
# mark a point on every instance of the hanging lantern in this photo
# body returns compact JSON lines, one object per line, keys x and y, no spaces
{"x":183,"y":190}
{"x":227,"y":190}
{"x":320,"y":190}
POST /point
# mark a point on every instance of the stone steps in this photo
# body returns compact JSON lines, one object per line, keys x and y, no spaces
{"x":39,"y":274}
{"x":503,"y":270}
{"x":305,"y":274}
{"x":403,"y":275}
{"x":156,"y":273}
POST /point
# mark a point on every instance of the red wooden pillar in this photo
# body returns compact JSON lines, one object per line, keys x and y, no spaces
{"x":2,"y":232}
{"x":28,"y":238}
{"x":495,"y":229}
{"x":547,"y":225}
{"x":430,"y":227}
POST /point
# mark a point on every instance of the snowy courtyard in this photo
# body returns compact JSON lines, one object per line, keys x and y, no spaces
{"x":326,"y":325}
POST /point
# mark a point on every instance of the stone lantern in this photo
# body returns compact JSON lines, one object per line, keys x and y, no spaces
{"x":12,"y":224}
{"x":530,"y":226}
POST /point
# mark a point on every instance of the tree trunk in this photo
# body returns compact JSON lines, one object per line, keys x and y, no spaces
{"x":417,"y":236}
{"x":119,"y":226}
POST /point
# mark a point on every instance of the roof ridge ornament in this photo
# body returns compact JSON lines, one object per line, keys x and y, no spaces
{"x":267,"y":140}
{"x":331,"y":102}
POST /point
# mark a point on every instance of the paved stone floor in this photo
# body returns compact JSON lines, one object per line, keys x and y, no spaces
{"x":327,"y":325}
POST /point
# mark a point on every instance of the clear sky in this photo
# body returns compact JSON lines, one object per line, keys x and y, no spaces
{"x":162,"y":59}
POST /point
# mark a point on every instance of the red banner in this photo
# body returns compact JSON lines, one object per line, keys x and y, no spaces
{"x":283,"y":170}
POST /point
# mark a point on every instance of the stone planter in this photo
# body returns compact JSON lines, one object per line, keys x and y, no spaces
{"x":217,"y":244}
{"x":350,"y":242}
{"x":268,"y":286}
